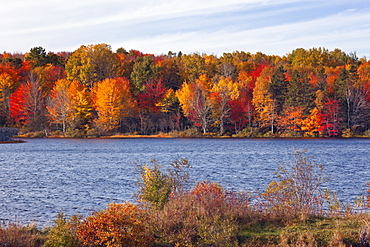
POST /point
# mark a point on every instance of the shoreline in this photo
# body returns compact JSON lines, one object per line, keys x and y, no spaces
{"x":165,"y":136}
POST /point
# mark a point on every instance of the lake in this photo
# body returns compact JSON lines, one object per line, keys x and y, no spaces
{"x":43,"y":176}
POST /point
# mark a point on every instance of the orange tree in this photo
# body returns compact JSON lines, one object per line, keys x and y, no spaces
{"x":113,"y":101}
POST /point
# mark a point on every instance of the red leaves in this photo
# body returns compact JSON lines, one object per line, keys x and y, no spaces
{"x":153,"y":93}
{"x":19,"y":105}
{"x":329,"y":119}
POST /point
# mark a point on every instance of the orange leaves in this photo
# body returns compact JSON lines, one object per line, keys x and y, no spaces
{"x":262,"y":98}
{"x":311,"y":125}
{"x":113,"y":101}
{"x":69,"y":105}
{"x":118,"y":225}
{"x":292,"y":118}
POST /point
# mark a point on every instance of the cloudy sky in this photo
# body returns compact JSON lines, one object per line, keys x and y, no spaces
{"x":210,"y":26}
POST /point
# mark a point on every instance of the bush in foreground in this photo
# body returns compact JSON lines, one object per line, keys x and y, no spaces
{"x":118,"y":225}
{"x":16,"y":235}
{"x":207,"y":215}
{"x":64,"y":232}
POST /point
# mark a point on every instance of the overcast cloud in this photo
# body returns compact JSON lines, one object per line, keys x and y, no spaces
{"x":270,"y":26}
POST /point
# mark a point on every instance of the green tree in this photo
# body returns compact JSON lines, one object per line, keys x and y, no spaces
{"x":170,"y":73}
{"x":299,"y":93}
{"x":144,"y":70}
{"x":93,"y":63}
{"x":192,"y":66}
{"x":278,"y":88}
{"x":37,"y":57}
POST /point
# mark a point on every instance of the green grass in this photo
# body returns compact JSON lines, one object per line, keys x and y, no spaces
{"x":325,"y":231}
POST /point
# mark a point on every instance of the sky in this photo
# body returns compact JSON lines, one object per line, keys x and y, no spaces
{"x":273,"y":27}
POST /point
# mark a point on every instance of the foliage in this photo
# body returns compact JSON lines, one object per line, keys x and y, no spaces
{"x":326,"y":93}
{"x":93,"y":63}
{"x":196,"y":103}
{"x":112,"y":102}
{"x":16,"y":235}
{"x":298,"y":190}
{"x":118,"y":225}
{"x":207,"y":215}
{"x":156,"y":186}
{"x":64,"y":232}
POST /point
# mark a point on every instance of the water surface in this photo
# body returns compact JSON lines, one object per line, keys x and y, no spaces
{"x":43,"y":176}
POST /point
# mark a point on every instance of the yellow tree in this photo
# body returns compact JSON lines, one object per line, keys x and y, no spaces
{"x":223,"y":92}
{"x":311,"y":125}
{"x":113,"y":101}
{"x":82,"y":103}
{"x":7,"y":85}
{"x":262,"y":99}
{"x":69,"y":104}
{"x":195,"y":103}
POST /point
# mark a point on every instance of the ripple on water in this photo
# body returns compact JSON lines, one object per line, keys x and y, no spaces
{"x":43,"y":176}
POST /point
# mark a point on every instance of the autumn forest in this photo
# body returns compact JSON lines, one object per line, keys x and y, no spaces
{"x":95,"y":91}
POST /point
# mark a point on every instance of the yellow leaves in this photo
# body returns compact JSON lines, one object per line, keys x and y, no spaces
{"x":262,"y":100}
{"x":147,"y":175}
{"x":70,"y":104}
{"x":167,"y":101}
{"x":113,"y":101}
{"x":6,"y":81}
{"x":7,"y":84}
{"x":311,"y":124}
{"x":226,"y":87}
{"x":204,"y":82}
{"x":185,"y":94}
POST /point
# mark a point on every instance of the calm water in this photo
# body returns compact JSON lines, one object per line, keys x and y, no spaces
{"x":43,"y":176}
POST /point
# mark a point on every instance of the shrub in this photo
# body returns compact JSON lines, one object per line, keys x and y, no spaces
{"x":118,"y":225}
{"x":297,"y":192}
{"x":64,"y":232}
{"x":156,"y":186}
{"x":207,"y":215}
{"x":189,"y":133}
{"x":75,"y":133}
{"x":15,"y":235}
{"x":248,"y":132}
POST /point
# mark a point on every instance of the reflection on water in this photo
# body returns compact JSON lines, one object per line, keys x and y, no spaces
{"x":43,"y":176}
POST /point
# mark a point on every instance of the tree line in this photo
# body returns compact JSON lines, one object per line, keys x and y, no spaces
{"x":96,"y":91}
